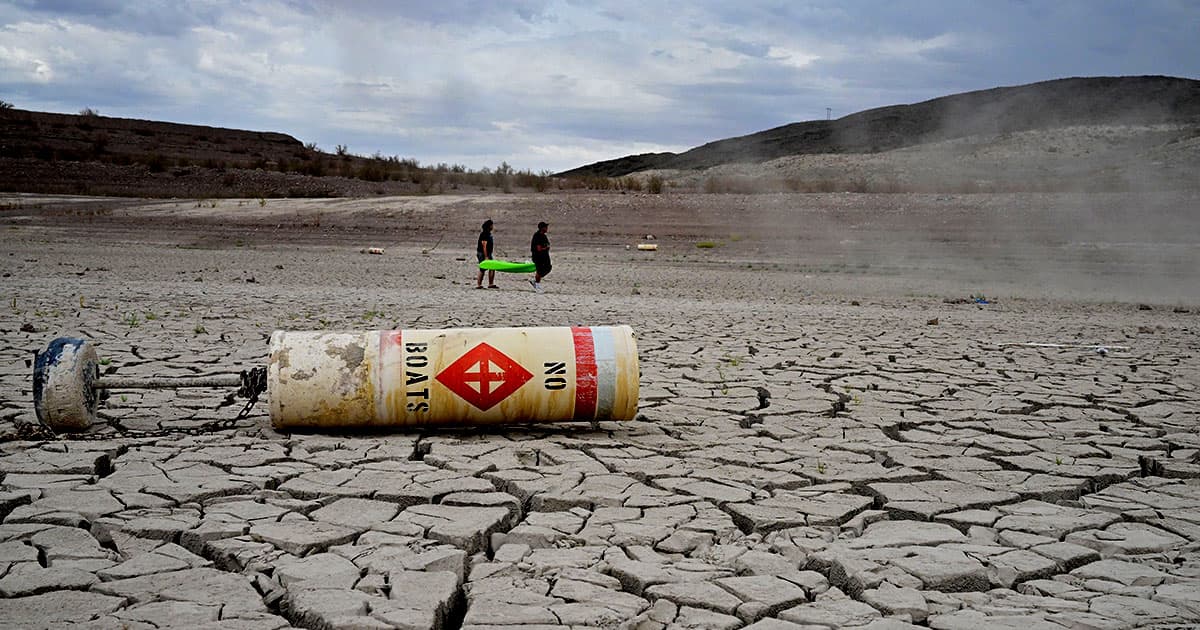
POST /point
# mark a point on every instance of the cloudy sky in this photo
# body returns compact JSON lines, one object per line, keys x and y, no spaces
{"x":554,"y":84}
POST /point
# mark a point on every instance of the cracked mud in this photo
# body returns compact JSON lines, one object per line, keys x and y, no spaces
{"x":799,"y":459}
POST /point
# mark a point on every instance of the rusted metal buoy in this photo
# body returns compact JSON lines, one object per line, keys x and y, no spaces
{"x":456,"y":376}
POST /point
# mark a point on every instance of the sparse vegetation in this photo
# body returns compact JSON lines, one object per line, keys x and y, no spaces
{"x":654,"y":185}
{"x":5,"y":105}
{"x":707,"y":244}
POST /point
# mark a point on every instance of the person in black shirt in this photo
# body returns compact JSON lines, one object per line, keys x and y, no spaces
{"x":539,"y":250}
{"x":484,"y":248}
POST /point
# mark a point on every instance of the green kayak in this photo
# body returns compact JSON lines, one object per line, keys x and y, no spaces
{"x":507,"y":267}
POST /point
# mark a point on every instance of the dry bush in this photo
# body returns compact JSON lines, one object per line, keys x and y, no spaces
{"x":630,"y":182}
{"x":655,"y":185}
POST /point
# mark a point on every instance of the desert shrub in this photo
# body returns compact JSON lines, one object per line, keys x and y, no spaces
{"x":654,"y":185}
{"x":342,"y":151}
{"x":631,"y":183}
{"x":316,"y":168}
{"x":372,"y":172}
{"x":599,"y":183}
{"x":427,"y":185}
{"x":528,"y":179}
{"x":502,"y":177}
{"x":312,"y":146}
{"x":5,"y":105}
{"x":88,"y":111}
{"x":573,"y":183}
{"x":706,"y":244}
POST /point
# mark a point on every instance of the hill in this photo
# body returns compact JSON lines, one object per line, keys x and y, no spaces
{"x":1100,"y":133}
{"x":1144,"y":102}
{"x":100,"y":155}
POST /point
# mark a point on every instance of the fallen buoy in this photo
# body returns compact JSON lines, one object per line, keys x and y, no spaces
{"x":388,"y":378}
{"x":456,"y":376}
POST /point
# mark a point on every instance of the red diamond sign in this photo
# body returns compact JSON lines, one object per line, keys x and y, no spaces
{"x":484,"y":376}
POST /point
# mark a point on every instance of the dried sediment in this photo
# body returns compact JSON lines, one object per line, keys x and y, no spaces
{"x":801,"y":455}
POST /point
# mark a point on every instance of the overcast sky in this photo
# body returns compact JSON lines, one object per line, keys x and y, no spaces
{"x":550,"y":85}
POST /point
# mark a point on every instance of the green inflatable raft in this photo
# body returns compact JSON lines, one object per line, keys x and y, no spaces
{"x":507,"y":267}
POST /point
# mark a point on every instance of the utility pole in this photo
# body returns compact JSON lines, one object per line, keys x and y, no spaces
{"x":828,"y":112}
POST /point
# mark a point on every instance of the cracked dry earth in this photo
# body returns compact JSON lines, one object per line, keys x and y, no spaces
{"x":799,"y":460}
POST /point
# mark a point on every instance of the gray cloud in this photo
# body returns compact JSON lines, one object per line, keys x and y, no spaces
{"x":552,"y":84}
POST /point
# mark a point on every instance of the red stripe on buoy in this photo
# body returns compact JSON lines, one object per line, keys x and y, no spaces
{"x":585,"y":373}
{"x":389,"y":339}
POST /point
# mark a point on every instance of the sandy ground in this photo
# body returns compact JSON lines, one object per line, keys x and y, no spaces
{"x":817,"y":374}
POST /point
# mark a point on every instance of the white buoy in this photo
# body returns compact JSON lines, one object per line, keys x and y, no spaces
{"x":63,"y":396}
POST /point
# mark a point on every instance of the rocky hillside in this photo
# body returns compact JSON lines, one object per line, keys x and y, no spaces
{"x":100,"y":155}
{"x":1099,"y":102}
{"x":72,"y":137}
